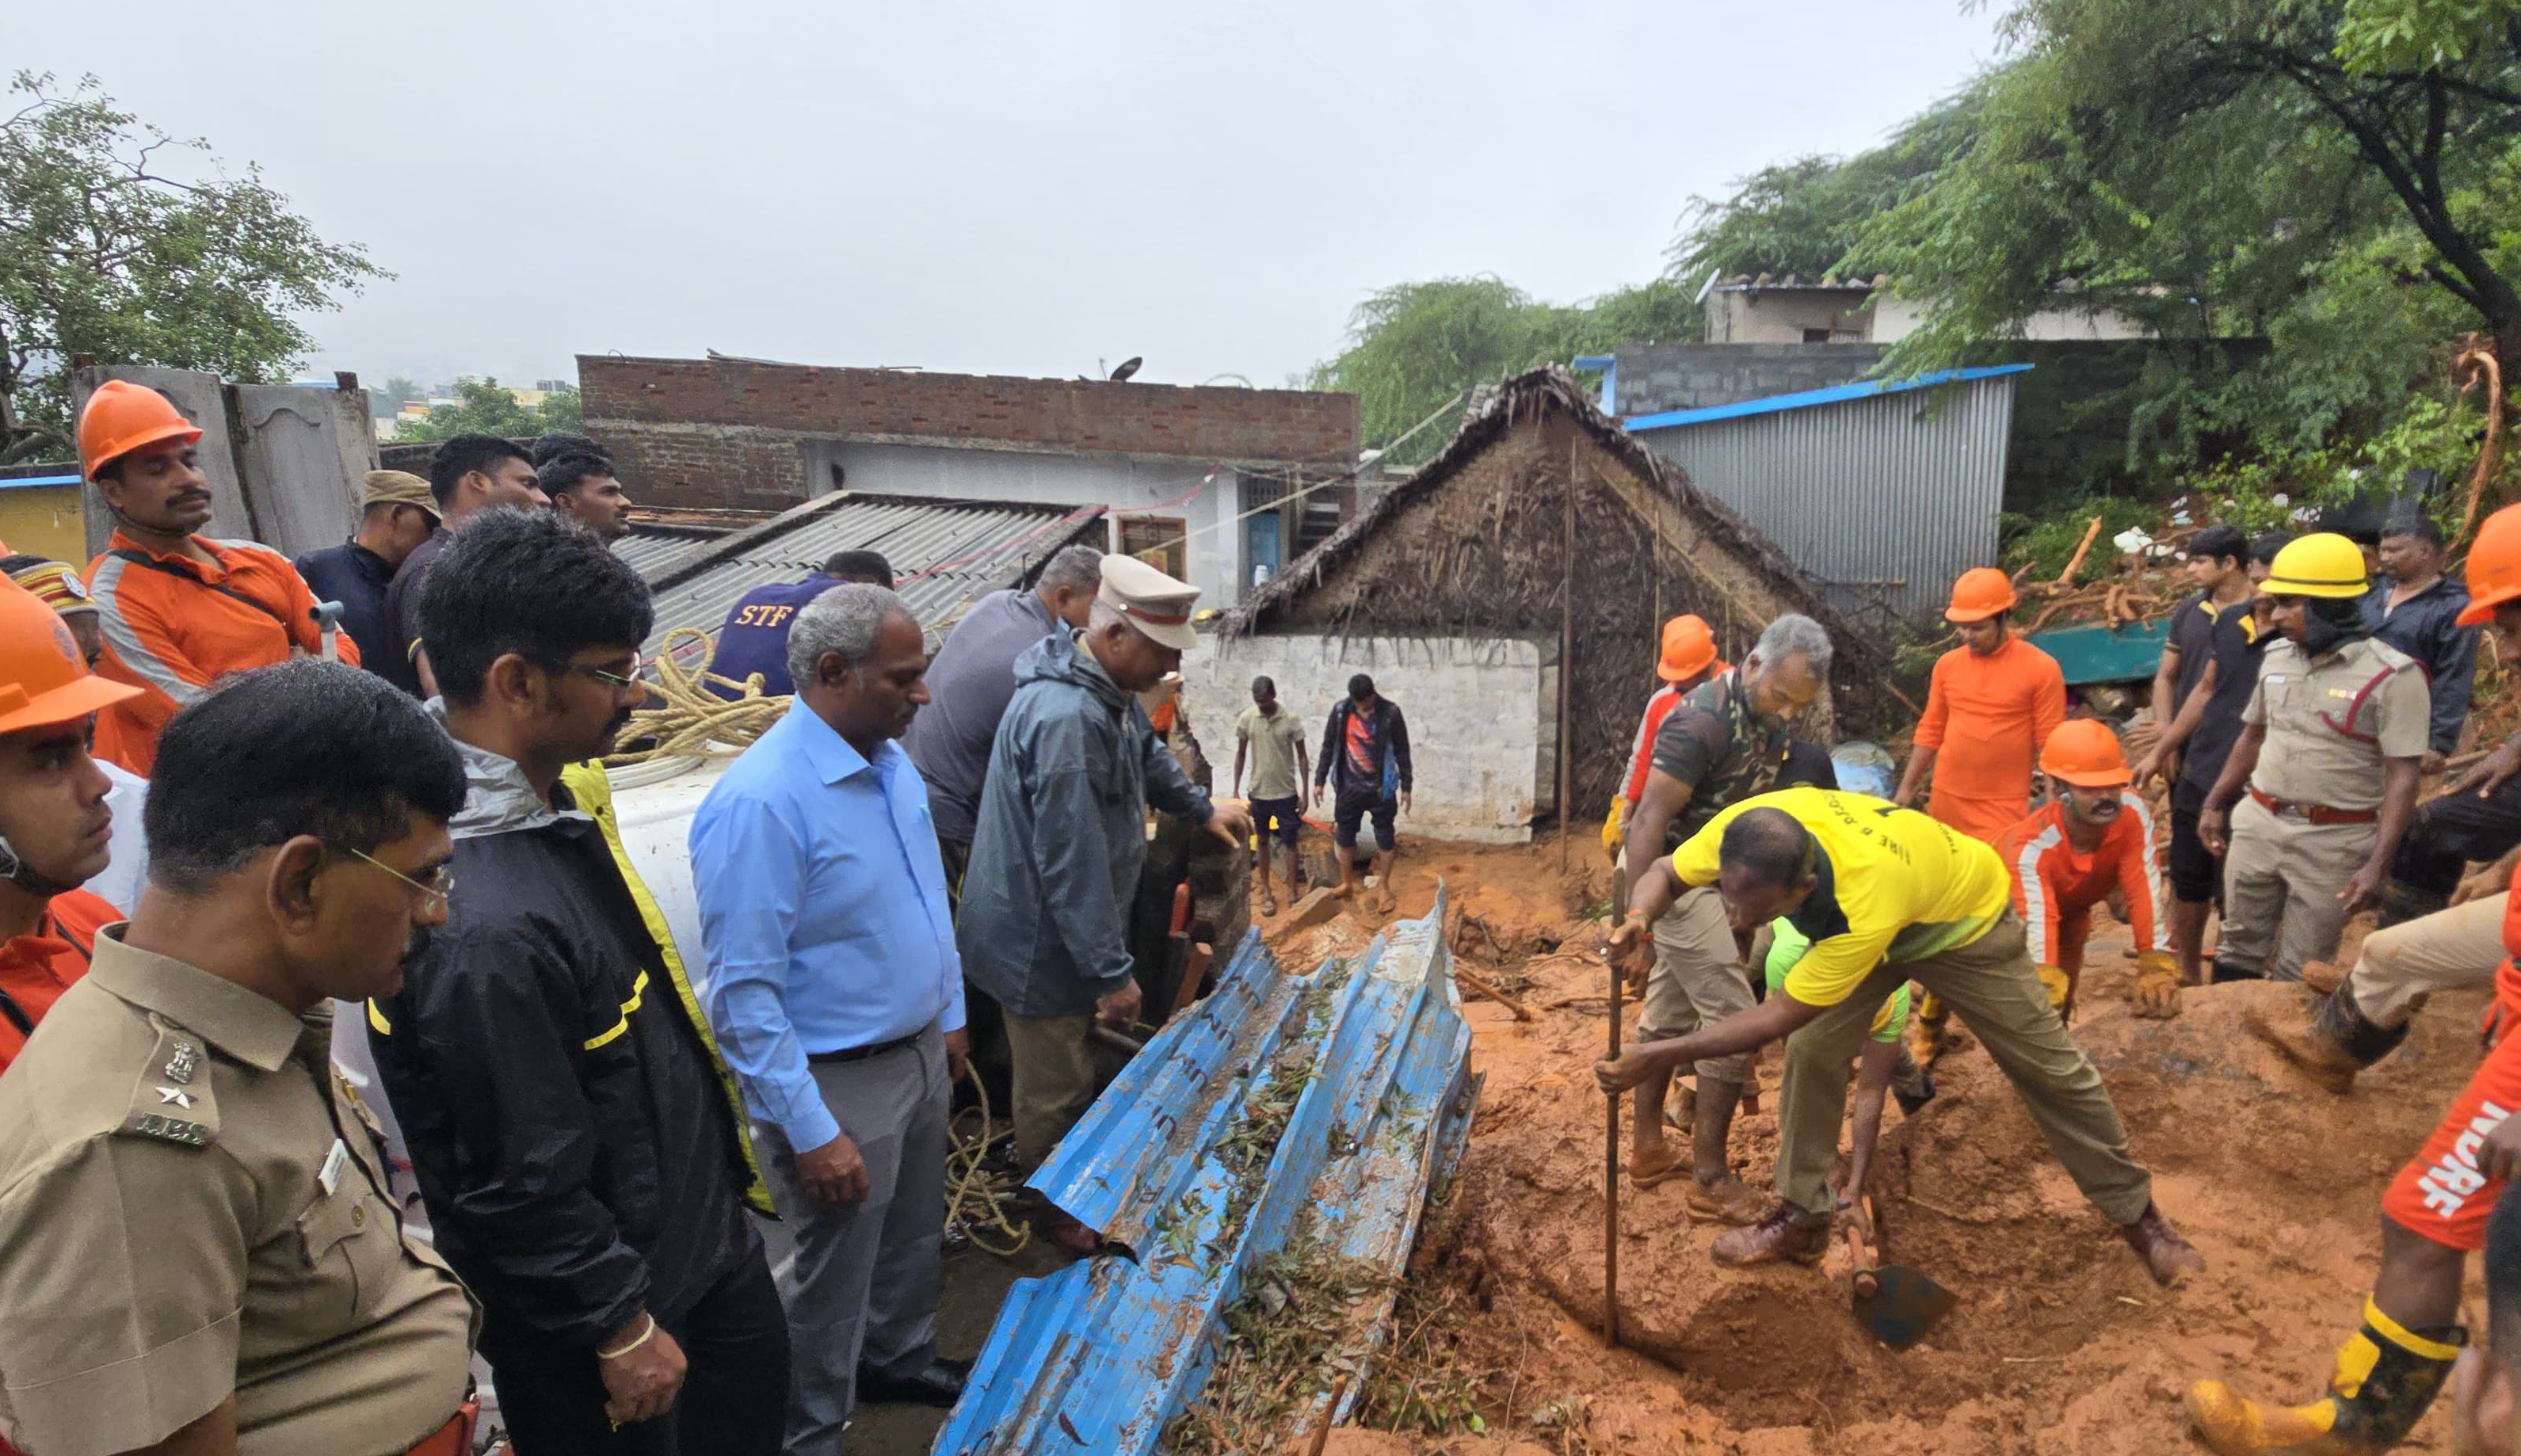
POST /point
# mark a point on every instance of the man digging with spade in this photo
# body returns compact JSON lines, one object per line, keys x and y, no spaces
{"x":1886,"y":894}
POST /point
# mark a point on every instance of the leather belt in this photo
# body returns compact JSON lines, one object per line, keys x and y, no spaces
{"x":2313,"y":814}
{"x":455,"y":1437}
{"x":860,"y":1054}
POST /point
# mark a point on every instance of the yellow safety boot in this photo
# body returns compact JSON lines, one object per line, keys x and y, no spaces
{"x":2386,"y":1377}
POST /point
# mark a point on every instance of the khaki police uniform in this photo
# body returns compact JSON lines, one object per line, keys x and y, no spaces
{"x":191,"y":1208}
{"x":2312,"y":812}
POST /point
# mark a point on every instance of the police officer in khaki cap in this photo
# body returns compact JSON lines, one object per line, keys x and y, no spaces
{"x":2318,"y":789}
{"x":1061,"y":838}
{"x":201,"y":1252}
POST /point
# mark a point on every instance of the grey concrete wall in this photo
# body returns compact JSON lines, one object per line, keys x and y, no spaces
{"x":1658,"y":377}
{"x":1482,"y":717}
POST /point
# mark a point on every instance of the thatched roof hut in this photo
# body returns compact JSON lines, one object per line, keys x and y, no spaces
{"x":1540,"y":493}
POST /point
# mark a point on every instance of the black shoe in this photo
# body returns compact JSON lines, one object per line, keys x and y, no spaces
{"x":1913,"y":1102}
{"x":939,"y":1384}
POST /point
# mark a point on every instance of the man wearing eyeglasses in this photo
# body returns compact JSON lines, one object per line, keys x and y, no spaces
{"x":575,"y":1136}
{"x":204,"y":1255}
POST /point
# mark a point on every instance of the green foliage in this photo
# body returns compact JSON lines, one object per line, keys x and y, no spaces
{"x":107,"y":250}
{"x":1418,"y":348}
{"x":2214,"y":169}
{"x":388,"y":398}
{"x":487,"y":407}
{"x":2047,"y":542}
{"x":1803,"y":217}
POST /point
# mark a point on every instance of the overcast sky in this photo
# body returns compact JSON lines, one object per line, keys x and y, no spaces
{"x":998,"y":189}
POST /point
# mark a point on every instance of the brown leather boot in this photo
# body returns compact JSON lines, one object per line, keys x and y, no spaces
{"x":2168,"y":1257}
{"x":1786,"y":1233}
{"x":2334,"y":1043}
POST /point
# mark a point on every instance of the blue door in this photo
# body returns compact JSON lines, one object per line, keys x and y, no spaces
{"x":1261,"y":546}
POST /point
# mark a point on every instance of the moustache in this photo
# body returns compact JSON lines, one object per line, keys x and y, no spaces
{"x":619,"y":720}
{"x":415,"y":945}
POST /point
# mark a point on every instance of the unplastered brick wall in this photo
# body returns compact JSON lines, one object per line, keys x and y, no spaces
{"x":729,"y":433}
{"x":1482,"y":717}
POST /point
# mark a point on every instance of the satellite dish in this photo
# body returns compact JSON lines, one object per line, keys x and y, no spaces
{"x":1129,"y":367}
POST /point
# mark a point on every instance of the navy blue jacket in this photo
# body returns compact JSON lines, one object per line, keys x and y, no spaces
{"x":356,"y":577}
{"x":2423,"y":628}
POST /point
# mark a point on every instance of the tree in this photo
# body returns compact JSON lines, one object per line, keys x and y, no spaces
{"x":105,"y":249}
{"x":1417,"y":349}
{"x":2332,"y":176}
{"x":388,"y":398}
{"x":488,"y":407}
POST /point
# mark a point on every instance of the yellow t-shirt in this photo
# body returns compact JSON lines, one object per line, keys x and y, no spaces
{"x":1894,"y":886}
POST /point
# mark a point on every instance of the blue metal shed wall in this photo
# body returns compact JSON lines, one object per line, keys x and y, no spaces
{"x":1899,"y":487}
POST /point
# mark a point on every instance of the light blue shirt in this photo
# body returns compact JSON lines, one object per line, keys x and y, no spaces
{"x":822,"y":913}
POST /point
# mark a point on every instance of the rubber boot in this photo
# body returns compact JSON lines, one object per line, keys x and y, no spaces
{"x":2335,"y":1043}
{"x":2386,"y":1377}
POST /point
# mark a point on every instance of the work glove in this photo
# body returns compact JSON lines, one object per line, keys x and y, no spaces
{"x":2061,"y":990}
{"x":1614,"y":827}
{"x":2157,"y":986}
{"x":1926,"y":1032}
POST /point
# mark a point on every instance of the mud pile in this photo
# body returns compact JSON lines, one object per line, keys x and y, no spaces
{"x":2060,"y":1344}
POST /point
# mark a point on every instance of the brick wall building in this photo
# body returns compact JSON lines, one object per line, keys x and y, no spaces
{"x":722,"y":433}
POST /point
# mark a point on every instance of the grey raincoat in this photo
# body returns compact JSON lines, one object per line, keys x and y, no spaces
{"x":1061,"y":834}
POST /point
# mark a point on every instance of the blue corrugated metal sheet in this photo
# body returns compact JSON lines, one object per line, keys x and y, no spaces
{"x":1100,"y":1355}
{"x":1883,"y":496}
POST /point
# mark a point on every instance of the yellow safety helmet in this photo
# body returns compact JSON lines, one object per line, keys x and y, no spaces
{"x":2322,"y":564}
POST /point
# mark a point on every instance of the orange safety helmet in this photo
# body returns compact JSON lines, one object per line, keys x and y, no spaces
{"x":1688,"y":650}
{"x":1981,"y":593}
{"x":2493,"y":567}
{"x":2085,"y":753}
{"x":43,"y":682}
{"x":122,"y":417}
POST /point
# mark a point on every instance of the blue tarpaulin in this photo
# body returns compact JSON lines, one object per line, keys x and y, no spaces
{"x":1367,"y":1063}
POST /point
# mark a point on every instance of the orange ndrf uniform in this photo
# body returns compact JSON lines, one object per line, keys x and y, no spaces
{"x":2441,"y":1194}
{"x":1986,"y":715}
{"x":34,"y":969}
{"x":2055,"y":886}
{"x":174,"y":625}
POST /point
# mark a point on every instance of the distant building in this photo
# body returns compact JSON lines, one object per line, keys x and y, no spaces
{"x":1218,"y":487}
{"x":1747,"y":309}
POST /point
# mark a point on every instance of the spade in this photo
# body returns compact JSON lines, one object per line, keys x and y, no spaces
{"x":1895,"y":1303}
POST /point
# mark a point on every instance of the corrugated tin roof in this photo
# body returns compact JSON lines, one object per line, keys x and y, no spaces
{"x":944,"y":553}
{"x":1098,"y":1356}
{"x":1806,"y":399}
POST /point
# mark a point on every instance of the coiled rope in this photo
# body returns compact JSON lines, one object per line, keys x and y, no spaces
{"x":973,"y":1197}
{"x":697,"y":723}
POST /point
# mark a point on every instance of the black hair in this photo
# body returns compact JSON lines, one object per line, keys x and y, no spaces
{"x":463,"y":454}
{"x":1360,"y":686}
{"x":306,"y":746}
{"x":567,"y":471}
{"x":547,"y":449}
{"x":2418,"y":525}
{"x":2503,"y":1277}
{"x":2220,"y":543}
{"x":1264,"y":680}
{"x":866,"y":567}
{"x":531,"y":582}
{"x":11,"y":566}
{"x":2263,"y":551}
{"x":1768,"y":845}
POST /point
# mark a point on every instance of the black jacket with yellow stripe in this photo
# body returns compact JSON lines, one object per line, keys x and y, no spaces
{"x":569,"y":1120}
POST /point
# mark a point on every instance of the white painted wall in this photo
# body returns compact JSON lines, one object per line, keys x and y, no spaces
{"x":1126,"y":483}
{"x":1482,"y":717}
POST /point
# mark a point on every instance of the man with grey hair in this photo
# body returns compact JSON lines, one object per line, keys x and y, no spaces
{"x":969,"y":685}
{"x":835,"y":991}
{"x":1726,"y":742}
{"x":1061,"y":838}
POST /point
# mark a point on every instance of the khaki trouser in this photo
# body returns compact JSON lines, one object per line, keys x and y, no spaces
{"x":1054,"y":1080}
{"x":2281,"y":881}
{"x":1697,"y":978}
{"x":2446,"y":951}
{"x":1994,"y":986}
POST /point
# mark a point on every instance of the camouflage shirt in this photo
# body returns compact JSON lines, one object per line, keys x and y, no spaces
{"x":1722,"y":748}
